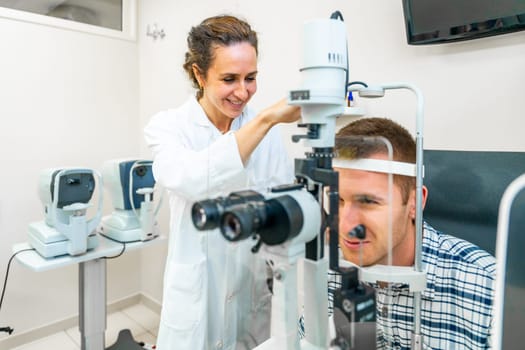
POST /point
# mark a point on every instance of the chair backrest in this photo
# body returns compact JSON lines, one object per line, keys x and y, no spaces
{"x":465,"y":190}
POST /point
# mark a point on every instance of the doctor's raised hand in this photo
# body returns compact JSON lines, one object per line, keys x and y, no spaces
{"x":249,"y":136}
{"x":215,"y":293}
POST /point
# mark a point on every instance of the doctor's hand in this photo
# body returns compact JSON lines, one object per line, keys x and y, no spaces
{"x":249,"y":136}
{"x":281,"y":112}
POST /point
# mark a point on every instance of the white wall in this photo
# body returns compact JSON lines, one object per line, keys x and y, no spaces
{"x":473,"y":90}
{"x":66,"y":98}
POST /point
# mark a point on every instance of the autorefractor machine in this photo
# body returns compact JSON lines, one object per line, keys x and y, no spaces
{"x":131,"y":185}
{"x":66,"y":194}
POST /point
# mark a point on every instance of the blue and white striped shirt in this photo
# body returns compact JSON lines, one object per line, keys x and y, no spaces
{"x":456,"y":310}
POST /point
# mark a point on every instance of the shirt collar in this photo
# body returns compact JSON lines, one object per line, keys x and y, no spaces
{"x":201,"y":119}
{"x":429,"y":263}
{"x":199,"y":116}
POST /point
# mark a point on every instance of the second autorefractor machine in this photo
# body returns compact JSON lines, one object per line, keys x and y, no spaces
{"x":131,"y":185}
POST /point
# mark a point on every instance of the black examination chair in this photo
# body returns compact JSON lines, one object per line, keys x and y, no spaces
{"x":125,"y":341}
{"x":465,"y":190}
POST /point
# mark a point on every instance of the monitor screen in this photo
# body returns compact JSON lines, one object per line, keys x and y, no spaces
{"x":439,"y":21}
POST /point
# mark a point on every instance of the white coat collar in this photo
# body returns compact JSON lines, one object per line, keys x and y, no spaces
{"x":200,"y":118}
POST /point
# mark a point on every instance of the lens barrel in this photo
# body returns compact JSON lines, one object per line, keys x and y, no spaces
{"x":275,"y":220}
{"x":206,"y":214}
{"x":242,"y":220}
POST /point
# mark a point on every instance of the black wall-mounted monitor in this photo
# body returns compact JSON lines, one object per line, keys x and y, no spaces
{"x":441,"y":21}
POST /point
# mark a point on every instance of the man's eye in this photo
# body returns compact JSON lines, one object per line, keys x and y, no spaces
{"x":367,"y":200}
{"x":251,"y":78}
{"x":229,"y":80}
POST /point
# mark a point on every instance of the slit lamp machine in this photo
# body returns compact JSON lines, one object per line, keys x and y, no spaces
{"x":289,"y":222}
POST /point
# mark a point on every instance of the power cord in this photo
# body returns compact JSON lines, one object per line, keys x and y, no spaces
{"x":9,"y":329}
{"x":357,"y":82}
{"x":121,"y":242}
{"x":114,"y":240}
{"x":350,"y":96}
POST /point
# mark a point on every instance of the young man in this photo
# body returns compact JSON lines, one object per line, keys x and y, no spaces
{"x":457,"y":302}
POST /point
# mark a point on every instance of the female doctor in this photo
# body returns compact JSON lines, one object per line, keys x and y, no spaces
{"x":215,"y":294}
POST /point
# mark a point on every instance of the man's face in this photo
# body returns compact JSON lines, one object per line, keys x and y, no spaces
{"x":364,"y":199}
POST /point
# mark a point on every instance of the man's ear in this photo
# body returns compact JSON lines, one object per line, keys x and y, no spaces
{"x":327,"y":234}
{"x":424,"y":191}
{"x":424,"y":194}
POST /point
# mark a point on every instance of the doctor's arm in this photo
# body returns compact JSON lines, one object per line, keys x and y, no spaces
{"x":191,"y":173}
{"x":251,"y":134}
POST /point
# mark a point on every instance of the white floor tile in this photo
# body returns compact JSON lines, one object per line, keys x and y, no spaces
{"x":155,"y":331}
{"x":146,"y":338}
{"x":139,"y":319}
{"x":143,"y":315}
{"x":118,"y":321}
{"x":58,"y":341}
{"x":74,"y":334}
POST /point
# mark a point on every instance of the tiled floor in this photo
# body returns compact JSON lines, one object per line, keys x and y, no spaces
{"x":140,"y":320}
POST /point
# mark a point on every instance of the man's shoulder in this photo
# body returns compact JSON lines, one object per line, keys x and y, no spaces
{"x":446,"y":248}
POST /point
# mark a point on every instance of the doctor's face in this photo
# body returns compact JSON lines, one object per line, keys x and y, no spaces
{"x":230,"y":81}
{"x":364,"y":200}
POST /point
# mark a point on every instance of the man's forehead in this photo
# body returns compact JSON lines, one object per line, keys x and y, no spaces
{"x":362,"y":182}
{"x":376,"y":165}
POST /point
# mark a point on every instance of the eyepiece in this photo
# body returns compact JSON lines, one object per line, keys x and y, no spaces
{"x":205,"y":214}
{"x":242,"y":220}
{"x":282,"y":217}
{"x":231,"y":227}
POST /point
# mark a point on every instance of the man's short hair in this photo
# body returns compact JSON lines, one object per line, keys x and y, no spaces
{"x":350,"y":145}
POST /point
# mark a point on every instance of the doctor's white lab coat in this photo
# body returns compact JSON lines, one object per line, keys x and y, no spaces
{"x":215,"y":294}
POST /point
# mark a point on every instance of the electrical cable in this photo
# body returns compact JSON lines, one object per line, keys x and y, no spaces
{"x":9,"y":329}
{"x":337,"y":14}
{"x":115,"y":240}
{"x":350,"y":97}
{"x":121,"y":242}
{"x":357,"y":82}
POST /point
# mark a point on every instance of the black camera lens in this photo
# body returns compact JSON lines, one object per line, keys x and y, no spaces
{"x":205,"y":214}
{"x":231,"y":227}
{"x":242,"y":220}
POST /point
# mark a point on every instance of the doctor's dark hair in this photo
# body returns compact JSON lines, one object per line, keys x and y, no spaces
{"x":203,"y":39}
{"x":349,"y":145}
